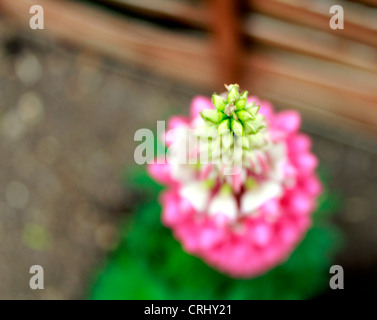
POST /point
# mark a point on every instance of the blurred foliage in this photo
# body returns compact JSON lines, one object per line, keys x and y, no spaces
{"x":150,"y":263}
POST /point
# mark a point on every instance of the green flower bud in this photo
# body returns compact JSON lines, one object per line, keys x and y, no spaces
{"x":218,"y":102}
{"x":245,"y":143}
{"x":213,"y":116}
{"x":224,"y":127}
{"x":249,"y":127}
{"x":250,"y":105}
{"x":240,"y":104}
{"x":237,"y":127}
{"x":215,"y":145}
{"x":233,"y":94}
{"x":253,"y":109}
{"x":257,"y":140}
{"x":244,"y":95}
{"x":227,"y":141}
{"x":244,"y":116}
{"x":259,"y":122}
{"x":233,"y":118}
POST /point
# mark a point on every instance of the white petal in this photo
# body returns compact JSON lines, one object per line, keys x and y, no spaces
{"x":177,"y":155}
{"x":277,"y":152}
{"x":197,"y":194}
{"x":255,"y":198}
{"x":178,"y":150}
{"x":224,"y":204}
{"x":277,"y":171}
{"x":278,"y":155}
{"x":182,"y":172}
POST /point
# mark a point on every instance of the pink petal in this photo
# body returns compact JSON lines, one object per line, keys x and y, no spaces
{"x":288,"y":121}
{"x":237,"y":182}
{"x":288,"y":233}
{"x":161,"y":173}
{"x":176,"y":122}
{"x":171,"y":213}
{"x":267,"y":110}
{"x":300,"y":203}
{"x":198,"y":104}
{"x":299,"y":143}
{"x":210,"y":236}
{"x":204,"y":173}
{"x":311,"y":184}
{"x":262,"y":234}
{"x":305,"y":163}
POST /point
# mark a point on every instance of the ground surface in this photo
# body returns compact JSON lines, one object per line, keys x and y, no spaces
{"x":67,"y":121}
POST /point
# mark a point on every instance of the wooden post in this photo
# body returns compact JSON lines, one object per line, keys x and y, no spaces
{"x":227,"y":39}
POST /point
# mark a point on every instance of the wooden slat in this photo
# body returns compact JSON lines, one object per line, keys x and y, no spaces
{"x":180,"y":11}
{"x":372,"y":3}
{"x":309,"y":41}
{"x":326,"y":88}
{"x":313,"y":103}
{"x":177,"y":55}
{"x":219,"y":17}
{"x":360,"y":21}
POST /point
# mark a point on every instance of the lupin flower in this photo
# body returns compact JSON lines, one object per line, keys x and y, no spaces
{"x":244,"y":211}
